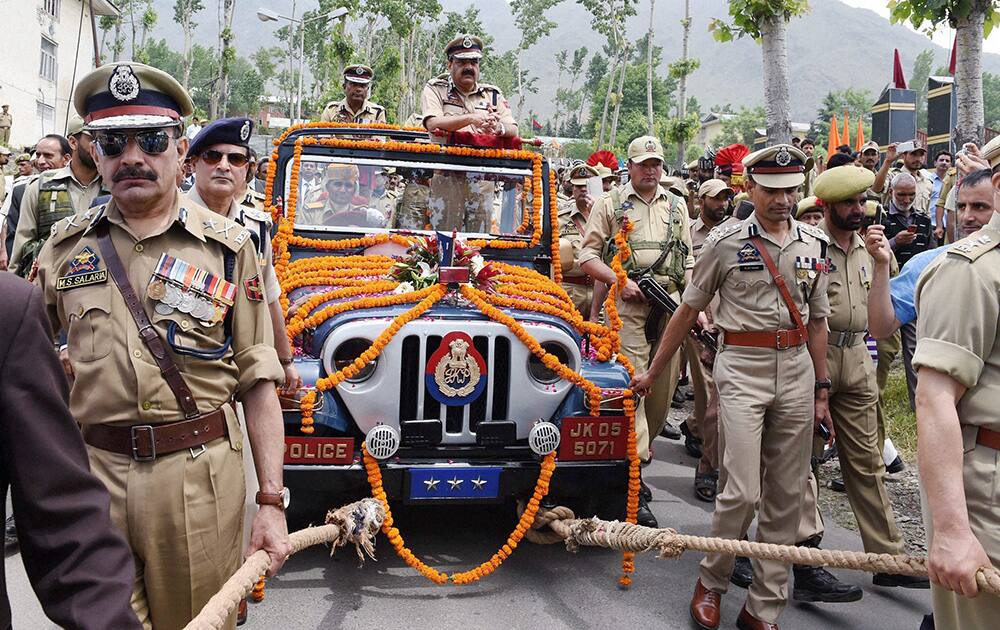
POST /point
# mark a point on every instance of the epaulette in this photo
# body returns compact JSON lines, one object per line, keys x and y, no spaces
{"x":74,"y":224}
{"x":814,"y":232}
{"x":488,"y":87}
{"x":316,"y":204}
{"x":975,"y":245}
{"x":440,"y":81}
{"x":256,"y":215}
{"x":376,"y":106}
{"x":720,"y":232}
{"x":331,"y":104}
{"x":218,"y":228}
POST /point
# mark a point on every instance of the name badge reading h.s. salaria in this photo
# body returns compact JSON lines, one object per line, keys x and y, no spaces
{"x":83,"y":271}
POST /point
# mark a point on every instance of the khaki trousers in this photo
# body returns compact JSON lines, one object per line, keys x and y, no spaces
{"x":853,"y":404}
{"x":183,"y":518}
{"x":4,"y":135}
{"x":581,"y":297}
{"x":765,"y":423}
{"x":651,"y":414}
{"x":981,"y":471}
{"x":704,"y":419}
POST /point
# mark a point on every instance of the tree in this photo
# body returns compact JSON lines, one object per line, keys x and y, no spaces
{"x":608,"y":18}
{"x":766,"y":21}
{"x":856,"y":103}
{"x":991,"y":99}
{"x":531,"y":23}
{"x":184,"y":11}
{"x":741,"y":127}
{"x":972,"y":20}
{"x":684,"y":127}
{"x":918,"y":81}
{"x":227,"y":55}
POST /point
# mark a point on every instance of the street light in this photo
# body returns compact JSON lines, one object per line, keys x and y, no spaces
{"x":267,"y":15}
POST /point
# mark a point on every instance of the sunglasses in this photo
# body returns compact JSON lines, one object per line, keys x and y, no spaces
{"x":213,"y":157}
{"x":150,"y":142}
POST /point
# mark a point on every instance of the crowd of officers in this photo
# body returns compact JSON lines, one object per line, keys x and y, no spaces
{"x":105,"y":221}
{"x":788,"y":282}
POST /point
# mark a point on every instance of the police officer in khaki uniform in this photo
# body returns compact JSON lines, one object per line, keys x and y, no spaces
{"x":772,"y":344}
{"x":193,"y":335}
{"x":457,"y":101}
{"x":661,"y":245}
{"x":55,"y":195}
{"x":714,"y":197}
{"x":355,"y":106}
{"x":6,"y":121}
{"x":958,"y":426}
{"x":573,"y":215}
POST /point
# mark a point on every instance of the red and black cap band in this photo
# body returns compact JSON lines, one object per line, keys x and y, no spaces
{"x":146,"y":103}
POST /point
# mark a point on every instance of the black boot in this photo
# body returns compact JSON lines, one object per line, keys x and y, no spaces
{"x":678,"y":399}
{"x":816,"y":584}
{"x":742,"y":575}
{"x":645,"y":494}
{"x":904,"y":581}
{"x":669,"y":431}
{"x":644,"y":516}
{"x":691,"y":444}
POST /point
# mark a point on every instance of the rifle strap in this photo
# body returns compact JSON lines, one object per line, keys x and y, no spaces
{"x":779,"y":280}
{"x":168,"y":367}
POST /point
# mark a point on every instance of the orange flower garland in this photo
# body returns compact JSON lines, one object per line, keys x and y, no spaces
{"x":554,"y":226}
{"x":546,"y":469}
{"x":257,"y":594}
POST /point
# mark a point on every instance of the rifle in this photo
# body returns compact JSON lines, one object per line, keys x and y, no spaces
{"x":660,"y":299}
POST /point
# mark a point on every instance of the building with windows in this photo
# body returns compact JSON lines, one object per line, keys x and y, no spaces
{"x":46,"y":47}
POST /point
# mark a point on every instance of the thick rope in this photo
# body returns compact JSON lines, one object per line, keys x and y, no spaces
{"x":357,"y":522}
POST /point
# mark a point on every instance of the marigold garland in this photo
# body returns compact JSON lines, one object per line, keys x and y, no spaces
{"x":554,"y":227}
{"x":257,"y":594}
{"x":546,"y":469}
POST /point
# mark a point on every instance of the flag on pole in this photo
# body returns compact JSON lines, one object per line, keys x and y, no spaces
{"x":859,"y":141}
{"x":846,"y":138}
{"x":954,"y":49}
{"x":898,"y":79}
{"x":537,"y":126}
{"x":834,"y":142}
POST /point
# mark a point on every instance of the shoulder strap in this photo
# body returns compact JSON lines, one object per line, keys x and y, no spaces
{"x":168,"y":368}
{"x":793,"y":310}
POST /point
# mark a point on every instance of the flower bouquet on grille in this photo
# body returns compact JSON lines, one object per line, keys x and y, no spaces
{"x":442,"y":259}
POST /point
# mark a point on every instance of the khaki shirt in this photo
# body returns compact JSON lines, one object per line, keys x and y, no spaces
{"x":650,"y":223}
{"x":6,"y":120}
{"x":925,"y":188}
{"x":442,"y":98}
{"x":700,"y":231}
{"x":260,"y":226}
{"x":731,"y":266}
{"x":82,"y":195}
{"x":117,"y":380}
{"x":850,"y":281}
{"x":572,"y":226}
{"x":340,"y":111}
{"x":966,"y":348}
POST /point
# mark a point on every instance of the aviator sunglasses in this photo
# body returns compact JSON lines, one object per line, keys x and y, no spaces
{"x":150,"y":142}
{"x":213,"y":157}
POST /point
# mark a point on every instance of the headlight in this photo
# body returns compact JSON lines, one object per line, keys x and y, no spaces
{"x":347,"y":352}
{"x":542,"y":374}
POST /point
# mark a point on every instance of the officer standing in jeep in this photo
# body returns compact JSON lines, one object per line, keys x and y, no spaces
{"x":355,"y":106}
{"x":53,"y":196}
{"x":661,"y":246}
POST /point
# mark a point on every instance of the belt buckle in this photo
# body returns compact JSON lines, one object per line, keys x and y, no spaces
{"x":152,"y":442}
{"x":781,"y":340}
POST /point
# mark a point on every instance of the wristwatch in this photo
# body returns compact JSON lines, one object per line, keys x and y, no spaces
{"x":278,"y":499}
{"x":824,"y":383}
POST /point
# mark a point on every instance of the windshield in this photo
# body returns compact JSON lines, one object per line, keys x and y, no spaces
{"x":338,"y":193}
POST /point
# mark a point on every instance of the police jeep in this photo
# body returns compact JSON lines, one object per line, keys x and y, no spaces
{"x":481,"y":448}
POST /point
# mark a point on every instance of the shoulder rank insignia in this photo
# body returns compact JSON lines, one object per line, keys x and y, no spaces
{"x":722,"y":231}
{"x":967,"y":247}
{"x":83,"y":270}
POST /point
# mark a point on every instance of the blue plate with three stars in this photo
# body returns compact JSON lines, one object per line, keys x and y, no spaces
{"x":445,"y":484}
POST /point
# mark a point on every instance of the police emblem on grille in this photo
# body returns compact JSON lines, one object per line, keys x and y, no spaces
{"x":456,"y":372}
{"x":245,"y":131}
{"x":783,"y":157}
{"x":467,"y":42}
{"x":123,"y":84}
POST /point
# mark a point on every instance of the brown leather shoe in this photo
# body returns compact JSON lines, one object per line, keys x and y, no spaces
{"x":241,"y":612}
{"x":705,"y":607}
{"x":746,"y":621}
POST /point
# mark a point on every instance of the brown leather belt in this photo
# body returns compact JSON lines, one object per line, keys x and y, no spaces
{"x":988,"y":437}
{"x":777,"y":339}
{"x":580,"y":281}
{"x":146,"y":442}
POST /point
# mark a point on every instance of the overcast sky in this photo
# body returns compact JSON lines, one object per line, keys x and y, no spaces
{"x":944,"y":35}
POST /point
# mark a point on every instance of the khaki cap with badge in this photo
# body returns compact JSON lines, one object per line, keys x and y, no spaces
{"x":359,"y":73}
{"x":806,"y":205}
{"x":713,"y":188}
{"x":991,"y":152}
{"x":842,"y":183}
{"x":644,"y":148}
{"x":24,"y":157}
{"x":130,"y":96}
{"x":464,"y":47}
{"x":579,"y":175}
{"x":780,"y":166}
{"x":603,"y":171}
{"x":871,"y":145}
